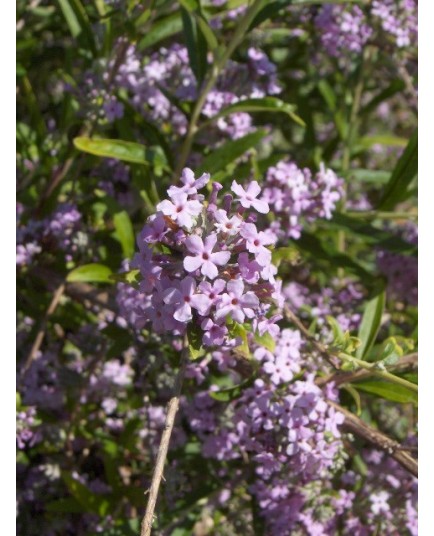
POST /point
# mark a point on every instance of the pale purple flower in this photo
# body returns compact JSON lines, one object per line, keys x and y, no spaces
{"x":204,"y":257}
{"x":280,"y":370}
{"x":235,"y":303}
{"x":229,"y":226}
{"x":247,"y":198}
{"x":181,"y":209}
{"x":214,"y":334}
{"x":211,"y":293}
{"x":256,"y":242}
{"x":379,"y":502}
{"x":184,"y":299}
{"x":190,"y":184}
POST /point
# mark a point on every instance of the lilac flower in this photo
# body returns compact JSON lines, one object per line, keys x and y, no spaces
{"x":256,"y":242}
{"x":230,"y":226}
{"x":214,"y":333}
{"x":237,"y":304}
{"x":205,"y":259}
{"x":190,"y":184}
{"x":184,"y":299}
{"x":212,"y":293}
{"x":280,"y":371}
{"x":180,"y":209}
{"x":247,"y":198}
{"x":379,"y":504}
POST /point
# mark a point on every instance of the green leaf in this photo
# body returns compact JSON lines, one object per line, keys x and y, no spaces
{"x":195,"y":347}
{"x":403,"y":174}
{"x":78,"y":21}
{"x":229,"y":152}
{"x":373,"y":176}
{"x":371,"y":322}
{"x":266,"y":341}
{"x":68,"y":505}
{"x":264,"y":104}
{"x":312,"y":244}
{"x":196,"y":45}
{"x":124,"y":232}
{"x":161,"y":29}
{"x":127,"y":151}
{"x":231,"y":393}
{"x":90,"y":273}
{"x":239,"y":331}
{"x":97,"y":504}
{"x":382,"y":139}
{"x":389,"y":391}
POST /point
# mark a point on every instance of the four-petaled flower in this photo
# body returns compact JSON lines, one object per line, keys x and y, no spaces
{"x":256,"y":242}
{"x":184,"y":299}
{"x":247,"y":198}
{"x":236,"y":304}
{"x":181,"y":209}
{"x":204,"y":258}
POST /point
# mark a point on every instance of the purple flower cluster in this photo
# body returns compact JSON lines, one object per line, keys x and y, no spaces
{"x":346,"y":30}
{"x":343,"y":29}
{"x":60,"y":228}
{"x":399,"y":19}
{"x":168,"y":72}
{"x":25,"y":428}
{"x":282,"y":424}
{"x":205,"y":264}
{"x":340,"y":299}
{"x":401,"y":271}
{"x":295,"y":194}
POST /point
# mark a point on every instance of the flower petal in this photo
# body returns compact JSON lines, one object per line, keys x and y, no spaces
{"x":209,"y":269}
{"x":192,"y":263}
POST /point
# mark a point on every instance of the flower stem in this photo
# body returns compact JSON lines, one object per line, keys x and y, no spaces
{"x":172,"y":409}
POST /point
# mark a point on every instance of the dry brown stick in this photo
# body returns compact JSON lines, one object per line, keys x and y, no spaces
{"x":172,"y":409}
{"x":41,"y":333}
{"x":358,"y":427}
{"x":406,"y":362}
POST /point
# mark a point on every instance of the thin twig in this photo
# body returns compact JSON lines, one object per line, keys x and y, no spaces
{"x":406,"y":362}
{"x":358,"y":427}
{"x":41,"y":333}
{"x":330,"y":356}
{"x":172,"y":409}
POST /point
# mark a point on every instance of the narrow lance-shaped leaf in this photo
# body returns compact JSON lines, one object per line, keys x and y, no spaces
{"x":264,"y":104}
{"x":90,"y":273}
{"x":127,"y":151}
{"x":230,"y":151}
{"x":371,"y":322}
{"x":124,"y":232}
{"x":402,"y":176}
{"x":389,"y":391}
{"x":78,"y":21}
{"x":161,"y":29}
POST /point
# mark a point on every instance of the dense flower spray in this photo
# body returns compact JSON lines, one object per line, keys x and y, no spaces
{"x":206,"y":262}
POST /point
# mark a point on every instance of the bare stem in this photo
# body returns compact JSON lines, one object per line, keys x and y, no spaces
{"x":157,"y":476}
{"x":41,"y":333}
{"x":358,"y":427}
